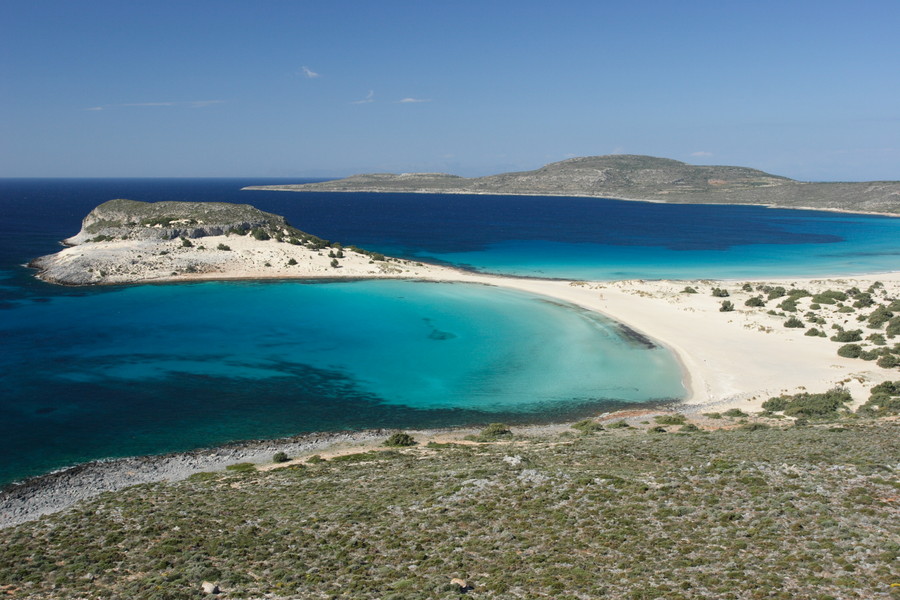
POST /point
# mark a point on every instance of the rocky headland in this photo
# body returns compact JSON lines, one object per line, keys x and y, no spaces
{"x":635,"y":177}
{"x":124,"y":241}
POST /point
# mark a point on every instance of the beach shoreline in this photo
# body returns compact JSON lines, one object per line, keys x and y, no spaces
{"x":736,"y":356}
{"x":730,"y":359}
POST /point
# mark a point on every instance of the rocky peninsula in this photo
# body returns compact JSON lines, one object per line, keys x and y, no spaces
{"x":124,"y":241}
{"x":635,"y":177}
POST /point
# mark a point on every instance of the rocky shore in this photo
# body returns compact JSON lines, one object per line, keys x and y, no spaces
{"x":51,"y":493}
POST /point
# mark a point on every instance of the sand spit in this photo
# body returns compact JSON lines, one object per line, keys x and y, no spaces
{"x":742,"y":356}
{"x":738,"y":358}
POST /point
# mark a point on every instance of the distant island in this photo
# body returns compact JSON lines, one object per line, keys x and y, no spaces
{"x":634,"y":177}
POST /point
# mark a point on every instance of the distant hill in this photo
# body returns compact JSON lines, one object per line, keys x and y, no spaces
{"x":635,"y":177}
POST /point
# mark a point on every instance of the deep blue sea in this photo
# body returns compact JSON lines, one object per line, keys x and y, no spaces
{"x":90,"y":373}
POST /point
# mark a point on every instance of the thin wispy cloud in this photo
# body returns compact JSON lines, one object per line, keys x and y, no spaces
{"x":412,"y":100}
{"x":308,"y":73}
{"x":370,"y":97}
{"x":190,"y":104}
{"x":701,"y":153}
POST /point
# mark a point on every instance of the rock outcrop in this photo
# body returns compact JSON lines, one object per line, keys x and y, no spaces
{"x":122,"y":241}
{"x":131,"y":220}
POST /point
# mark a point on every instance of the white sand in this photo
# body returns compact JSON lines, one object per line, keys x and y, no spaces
{"x":738,"y":358}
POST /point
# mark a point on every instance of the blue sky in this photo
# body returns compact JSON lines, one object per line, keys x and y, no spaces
{"x":90,"y":88}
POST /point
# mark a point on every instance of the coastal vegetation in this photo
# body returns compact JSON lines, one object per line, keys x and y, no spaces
{"x":873,"y":308}
{"x":763,"y":510}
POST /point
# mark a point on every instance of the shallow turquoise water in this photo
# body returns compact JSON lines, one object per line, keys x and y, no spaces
{"x":168,"y":367}
{"x":868,"y":245}
{"x":92,"y":373}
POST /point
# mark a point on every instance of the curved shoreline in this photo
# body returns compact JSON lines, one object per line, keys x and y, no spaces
{"x":61,"y":489}
{"x":729,"y":359}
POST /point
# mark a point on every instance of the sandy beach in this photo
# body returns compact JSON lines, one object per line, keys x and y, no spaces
{"x":734,"y":359}
{"x":731,"y":359}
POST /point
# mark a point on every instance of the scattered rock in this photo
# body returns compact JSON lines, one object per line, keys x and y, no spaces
{"x":209,"y":587}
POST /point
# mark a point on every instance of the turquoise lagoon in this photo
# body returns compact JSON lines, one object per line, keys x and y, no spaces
{"x":154,"y":368}
{"x":93,"y":373}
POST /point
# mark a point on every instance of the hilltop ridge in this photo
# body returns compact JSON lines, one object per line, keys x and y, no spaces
{"x":634,"y":177}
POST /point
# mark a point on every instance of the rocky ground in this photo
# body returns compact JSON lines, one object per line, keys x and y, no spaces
{"x":661,"y":508}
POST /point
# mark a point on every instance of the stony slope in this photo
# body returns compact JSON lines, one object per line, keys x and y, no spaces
{"x":799,"y":512}
{"x":133,"y":220}
{"x":634,"y":177}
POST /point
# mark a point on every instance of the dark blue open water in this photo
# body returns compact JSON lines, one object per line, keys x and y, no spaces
{"x":93,"y":373}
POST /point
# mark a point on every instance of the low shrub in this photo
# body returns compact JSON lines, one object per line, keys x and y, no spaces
{"x":879,"y":317}
{"x":587,"y":426}
{"x":853,"y":335}
{"x":669,"y":419}
{"x":241,"y":467}
{"x":823,"y":405}
{"x":850,"y":350}
{"x":400,"y":440}
{"x":720,"y":293}
{"x":774,"y":292}
{"x":893,"y":327}
{"x":794,"y":322}
{"x":734,"y":413}
{"x":754,"y":427}
{"x":260,"y":234}
{"x":755,"y":301}
{"x":829,"y":297}
{"x":280,"y":457}
{"x":788,"y":305}
{"x":884,"y":399}
{"x":495,"y":430}
{"x":888,"y":361}
{"x":863,"y":301}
